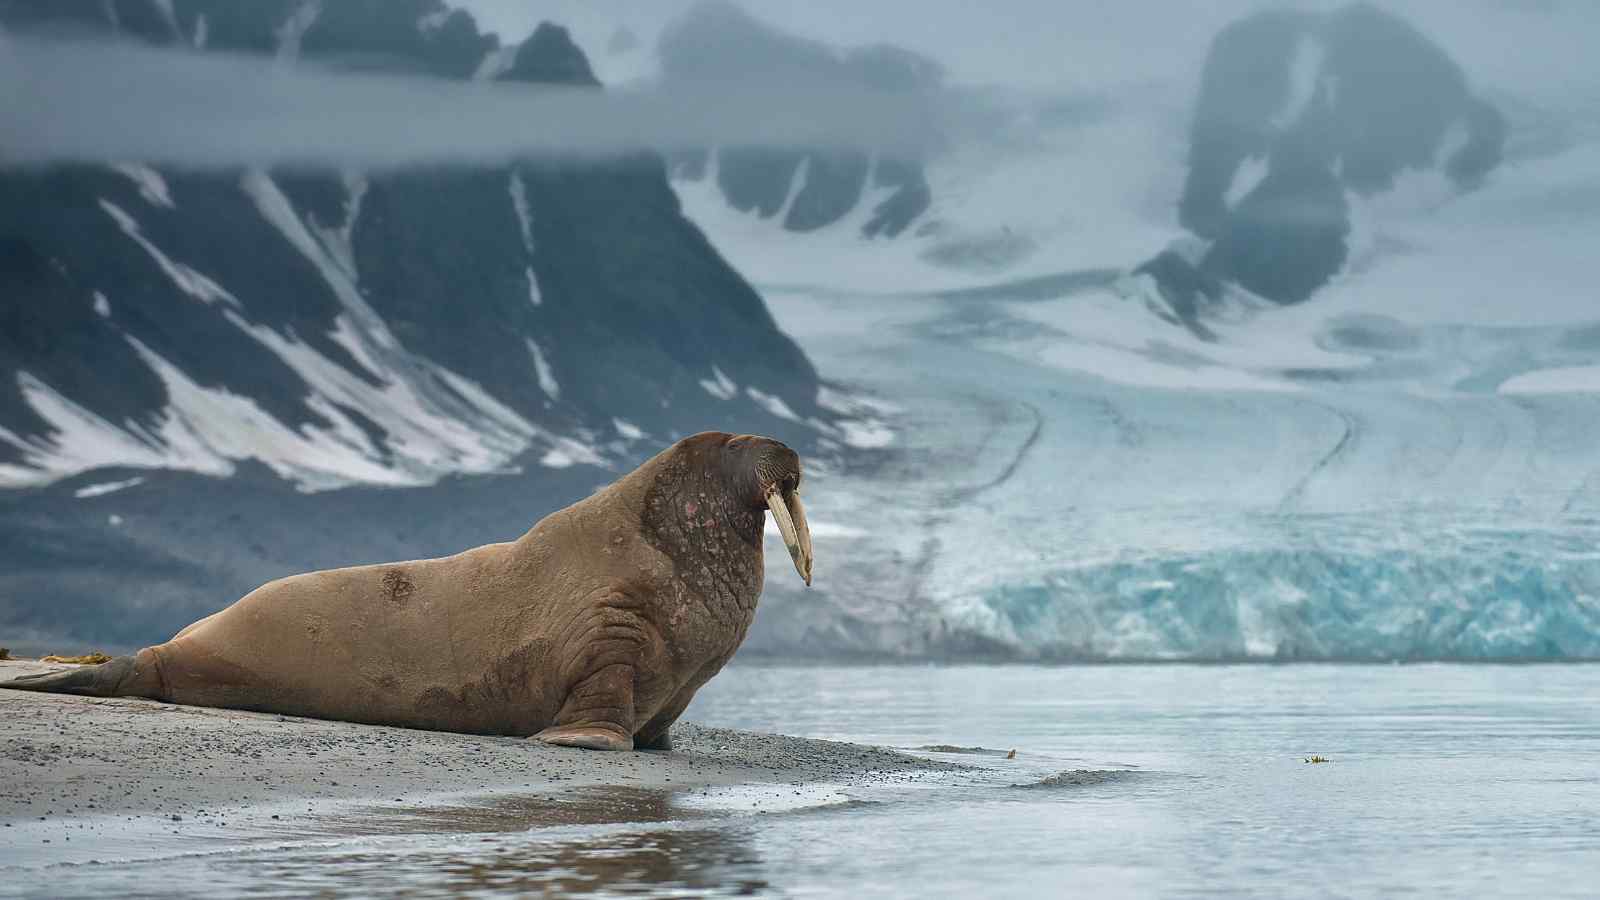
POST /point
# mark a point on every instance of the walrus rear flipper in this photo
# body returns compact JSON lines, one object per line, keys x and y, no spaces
{"x":102,"y":680}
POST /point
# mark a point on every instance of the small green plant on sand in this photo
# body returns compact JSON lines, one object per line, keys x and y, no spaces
{"x":5,"y":652}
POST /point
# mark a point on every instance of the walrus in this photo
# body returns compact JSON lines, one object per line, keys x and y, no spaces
{"x":594,"y":629}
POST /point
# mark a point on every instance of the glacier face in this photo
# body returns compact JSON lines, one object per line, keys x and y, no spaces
{"x":1032,"y":507}
{"x":1503,"y":594}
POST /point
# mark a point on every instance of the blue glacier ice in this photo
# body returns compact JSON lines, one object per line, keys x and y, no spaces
{"x":1056,"y":490}
{"x":1503,"y":595}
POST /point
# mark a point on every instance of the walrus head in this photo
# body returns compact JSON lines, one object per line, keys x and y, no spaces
{"x":767,"y":475}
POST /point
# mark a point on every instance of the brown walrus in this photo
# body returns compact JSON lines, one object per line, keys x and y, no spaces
{"x":594,"y":629}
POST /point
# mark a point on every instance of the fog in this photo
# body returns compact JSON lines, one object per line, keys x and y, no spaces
{"x":1543,"y":46}
{"x":79,"y":101}
{"x":87,"y":101}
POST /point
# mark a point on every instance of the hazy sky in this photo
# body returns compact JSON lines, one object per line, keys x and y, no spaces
{"x":99,"y":102}
{"x":1521,"y":45}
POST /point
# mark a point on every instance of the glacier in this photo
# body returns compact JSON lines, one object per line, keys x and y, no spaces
{"x":1401,"y":468}
{"x":1031,"y":506}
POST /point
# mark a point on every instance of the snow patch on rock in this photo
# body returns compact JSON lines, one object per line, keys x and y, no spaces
{"x":719,"y":385}
{"x":294,"y":28}
{"x":106,"y":487}
{"x":547,"y":376}
{"x":152,"y":187}
{"x":772,"y":404}
{"x":191,"y":282}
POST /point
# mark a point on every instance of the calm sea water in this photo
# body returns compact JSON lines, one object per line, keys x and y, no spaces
{"x":1442,"y":780}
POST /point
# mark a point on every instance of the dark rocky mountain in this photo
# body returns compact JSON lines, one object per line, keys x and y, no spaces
{"x":719,"y":42}
{"x":1335,"y":103}
{"x":496,"y":340}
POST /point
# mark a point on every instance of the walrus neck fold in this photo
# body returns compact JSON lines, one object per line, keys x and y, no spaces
{"x":700,"y":521}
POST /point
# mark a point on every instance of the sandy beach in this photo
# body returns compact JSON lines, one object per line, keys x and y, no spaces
{"x":90,"y":779}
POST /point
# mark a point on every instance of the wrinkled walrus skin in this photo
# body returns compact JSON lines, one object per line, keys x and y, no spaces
{"x":594,"y":629}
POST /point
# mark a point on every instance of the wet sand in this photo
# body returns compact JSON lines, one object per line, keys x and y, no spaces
{"x":86,"y":779}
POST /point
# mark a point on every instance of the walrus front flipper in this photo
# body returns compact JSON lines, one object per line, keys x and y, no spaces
{"x":589,"y":737}
{"x":593,"y":715}
{"x":103,"y":680}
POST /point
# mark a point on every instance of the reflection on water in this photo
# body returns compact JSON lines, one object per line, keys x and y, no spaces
{"x":694,"y":862}
{"x":597,"y":842}
{"x":588,"y":806}
{"x":662,"y":861}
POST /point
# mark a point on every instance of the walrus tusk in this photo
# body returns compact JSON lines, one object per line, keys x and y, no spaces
{"x":797,"y":511}
{"x":790,"y":514}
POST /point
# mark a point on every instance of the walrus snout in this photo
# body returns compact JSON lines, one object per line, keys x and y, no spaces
{"x":790,"y":514}
{"x":775,"y":470}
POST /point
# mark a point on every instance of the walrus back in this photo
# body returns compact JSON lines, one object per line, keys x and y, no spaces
{"x":403,"y":643}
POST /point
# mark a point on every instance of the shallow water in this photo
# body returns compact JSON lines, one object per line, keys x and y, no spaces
{"x":1442,"y":780}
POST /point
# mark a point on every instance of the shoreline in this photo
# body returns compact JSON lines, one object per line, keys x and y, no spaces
{"x":88,"y":779}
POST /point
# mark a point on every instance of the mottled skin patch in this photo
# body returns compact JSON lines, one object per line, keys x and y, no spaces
{"x":715,"y":545}
{"x":594,"y":629}
{"x":397,"y":586}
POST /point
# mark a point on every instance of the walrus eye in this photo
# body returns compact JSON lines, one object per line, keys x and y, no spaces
{"x":790,"y":514}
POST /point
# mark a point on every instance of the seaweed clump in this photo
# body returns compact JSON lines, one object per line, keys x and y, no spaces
{"x":93,"y":658}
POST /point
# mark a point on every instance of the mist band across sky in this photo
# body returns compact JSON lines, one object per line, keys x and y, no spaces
{"x":84,"y":102}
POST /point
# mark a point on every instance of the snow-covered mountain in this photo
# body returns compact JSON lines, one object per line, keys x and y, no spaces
{"x":348,"y":327}
{"x":257,"y":350}
{"x":799,"y":189}
{"x":1301,"y":114}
